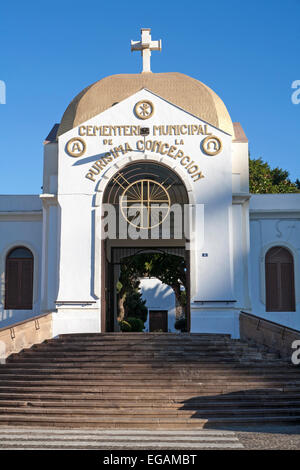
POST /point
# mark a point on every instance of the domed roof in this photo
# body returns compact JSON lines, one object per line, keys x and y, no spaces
{"x":177,"y":88}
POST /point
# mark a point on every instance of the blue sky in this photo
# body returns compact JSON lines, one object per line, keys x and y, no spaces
{"x":247,"y":52}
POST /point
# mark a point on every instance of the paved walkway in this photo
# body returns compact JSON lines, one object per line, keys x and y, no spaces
{"x":31,"y":438}
{"x":270,"y":437}
{"x":250,"y":438}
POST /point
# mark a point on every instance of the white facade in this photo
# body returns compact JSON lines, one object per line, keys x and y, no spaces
{"x":231,"y":230}
{"x":159,"y":296}
{"x":274,"y":221}
{"x":21,"y":224}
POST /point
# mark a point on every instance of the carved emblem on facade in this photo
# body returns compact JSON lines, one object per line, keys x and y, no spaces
{"x":76,"y":147}
{"x":211,"y":145}
{"x":144,"y":109}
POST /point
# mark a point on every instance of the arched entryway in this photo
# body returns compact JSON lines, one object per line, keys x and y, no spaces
{"x":150,"y":204}
{"x":280,"y":286}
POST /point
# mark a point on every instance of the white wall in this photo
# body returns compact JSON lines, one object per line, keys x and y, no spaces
{"x":216,"y":320}
{"x":275,"y":221}
{"x":20,"y":224}
{"x":159,"y":296}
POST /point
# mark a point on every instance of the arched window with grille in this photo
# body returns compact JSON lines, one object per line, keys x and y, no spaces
{"x":280,"y":285}
{"x":19,"y":279}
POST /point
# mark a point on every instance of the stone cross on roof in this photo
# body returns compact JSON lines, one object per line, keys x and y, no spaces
{"x":146,"y":45}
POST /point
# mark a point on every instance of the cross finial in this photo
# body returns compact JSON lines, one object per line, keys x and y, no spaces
{"x":146,"y":45}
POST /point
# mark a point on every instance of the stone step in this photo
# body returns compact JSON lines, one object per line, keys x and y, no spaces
{"x":154,"y":398}
{"x":101,"y":421}
{"x":140,"y":423}
{"x":139,"y":361}
{"x":148,"y":412}
{"x":217,"y":368}
{"x":106,"y":412}
{"x":146,"y":336}
{"x":136,"y":384}
{"x":142,"y":342}
{"x":158,"y":375}
{"x":142,"y":345}
{"x":148,"y":384}
{"x":139,"y":392}
{"x":117,"y":355}
{"x":127,"y":376}
{"x":103,"y":351}
{"x":153,"y":378}
{"x":117,"y":404}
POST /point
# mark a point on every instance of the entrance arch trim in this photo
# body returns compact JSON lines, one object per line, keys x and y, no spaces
{"x":126,"y":160}
{"x":99,"y":193}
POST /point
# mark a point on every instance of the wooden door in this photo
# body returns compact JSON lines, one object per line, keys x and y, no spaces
{"x":280,"y":288}
{"x":19,"y":283}
{"x":158,"y":320}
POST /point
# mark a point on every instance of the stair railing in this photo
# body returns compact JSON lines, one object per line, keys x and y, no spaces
{"x":24,"y":334}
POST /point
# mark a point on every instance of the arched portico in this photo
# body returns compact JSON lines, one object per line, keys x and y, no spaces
{"x":132,"y":158}
{"x":151,"y":191}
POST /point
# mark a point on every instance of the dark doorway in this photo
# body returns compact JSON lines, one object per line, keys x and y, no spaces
{"x":120,"y":256}
{"x":19,"y":279}
{"x":280,"y":287}
{"x":158,"y":320}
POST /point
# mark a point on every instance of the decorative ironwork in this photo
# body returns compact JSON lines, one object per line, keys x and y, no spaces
{"x":144,"y":193}
{"x":145,"y":201}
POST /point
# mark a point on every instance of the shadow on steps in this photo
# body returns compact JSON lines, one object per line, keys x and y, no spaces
{"x":257,"y":410}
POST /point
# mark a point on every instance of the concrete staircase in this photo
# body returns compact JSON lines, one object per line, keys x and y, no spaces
{"x":157,"y":381}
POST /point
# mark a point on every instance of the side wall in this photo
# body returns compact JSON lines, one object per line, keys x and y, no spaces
{"x":274,"y":221}
{"x":20,"y":225}
{"x":279,"y":338}
{"x":25,"y":334}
